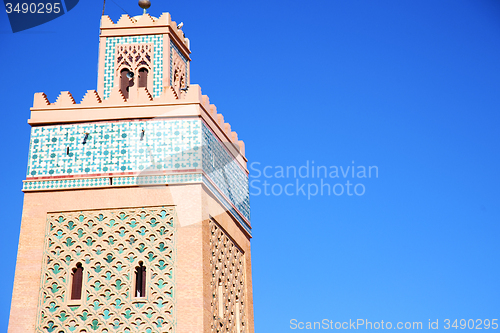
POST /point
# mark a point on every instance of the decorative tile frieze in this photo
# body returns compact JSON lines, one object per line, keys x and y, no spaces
{"x":65,"y":183}
{"x":223,"y":169}
{"x":89,"y":150}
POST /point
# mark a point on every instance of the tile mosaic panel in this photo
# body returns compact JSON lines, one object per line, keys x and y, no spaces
{"x":158,"y":179}
{"x":109,"y":60}
{"x":138,"y":147}
{"x":65,"y":183}
{"x":236,"y":214}
{"x":114,"y":147}
{"x":225,"y":172}
{"x":109,"y":245}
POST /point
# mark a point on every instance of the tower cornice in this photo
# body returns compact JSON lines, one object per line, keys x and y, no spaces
{"x":93,"y":108}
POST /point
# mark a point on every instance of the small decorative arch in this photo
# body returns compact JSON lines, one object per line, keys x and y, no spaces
{"x":143,"y":77}
{"x":134,"y":59}
{"x":77,"y":282}
{"x":126,"y":81}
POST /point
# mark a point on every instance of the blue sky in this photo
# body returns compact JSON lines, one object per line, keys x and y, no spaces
{"x":409,"y":87}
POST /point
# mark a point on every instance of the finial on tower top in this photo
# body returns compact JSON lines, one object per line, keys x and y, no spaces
{"x":144,"y":4}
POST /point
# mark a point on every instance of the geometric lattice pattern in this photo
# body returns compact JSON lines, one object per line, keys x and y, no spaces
{"x":109,"y":60}
{"x":109,"y":244}
{"x":178,"y":70}
{"x":174,"y":50}
{"x":133,"y":56}
{"x":225,"y":172}
{"x":228,"y":283}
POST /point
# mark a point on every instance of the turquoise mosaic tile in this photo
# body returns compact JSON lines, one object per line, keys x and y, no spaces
{"x":65,"y":183}
{"x":109,"y":60}
{"x":226,"y":204}
{"x":114,"y":147}
{"x":61,"y":184}
{"x":145,"y":180}
{"x":158,"y":179}
{"x":224,"y":171}
{"x":136,"y":147}
{"x":173,"y":49}
{"x":184,"y":178}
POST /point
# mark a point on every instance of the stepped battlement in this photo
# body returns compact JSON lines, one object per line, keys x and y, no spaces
{"x":94,"y":108}
{"x":146,"y":24}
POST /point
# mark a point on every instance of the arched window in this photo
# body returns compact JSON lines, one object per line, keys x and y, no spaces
{"x":143,"y":77}
{"x":140,"y":280}
{"x":126,"y":81}
{"x":76,"y":285}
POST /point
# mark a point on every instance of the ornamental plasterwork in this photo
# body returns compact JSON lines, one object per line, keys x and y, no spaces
{"x":134,"y":56}
{"x":109,"y":244}
{"x":179,"y":73}
{"x":227,"y":282}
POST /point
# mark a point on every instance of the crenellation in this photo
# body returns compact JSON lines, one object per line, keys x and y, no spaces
{"x":125,"y":21}
{"x":169,"y":96}
{"x":91,"y":98}
{"x":220,"y":120}
{"x":213,"y":111}
{"x":40,"y":100}
{"x":205,"y":101}
{"x":144,"y":21}
{"x":227,"y":129}
{"x":142,"y":97}
{"x":234,"y":137}
{"x":242,"y":147}
{"x":165,"y":18}
{"x":106,"y":22}
{"x":65,"y":99}
{"x":116,"y":97}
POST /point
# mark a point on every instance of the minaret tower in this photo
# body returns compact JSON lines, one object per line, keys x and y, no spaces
{"x":136,"y":212}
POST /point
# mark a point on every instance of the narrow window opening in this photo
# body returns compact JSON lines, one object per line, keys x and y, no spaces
{"x":221,"y":300}
{"x":110,"y":180}
{"x":140,"y":280}
{"x":67,"y":150}
{"x":76,"y":286}
{"x":238,"y":318}
{"x":143,"y":77}
{"x":126,"y":81}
